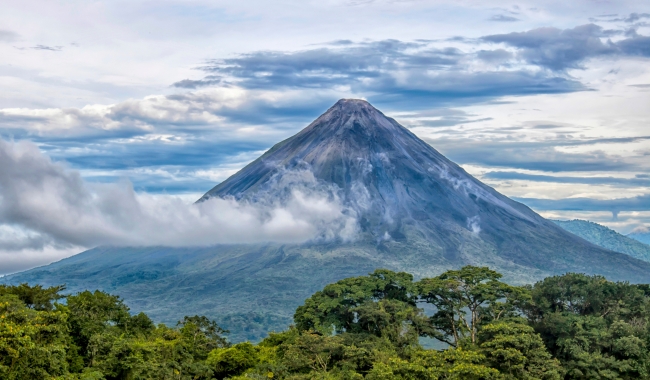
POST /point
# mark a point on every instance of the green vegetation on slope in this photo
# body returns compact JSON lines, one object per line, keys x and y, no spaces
{"x":572,"y":326}
{"x":606,"y":238}
{"x":642,"y":235}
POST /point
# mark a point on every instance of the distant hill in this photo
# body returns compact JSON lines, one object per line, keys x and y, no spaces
{"x":607,"y":238}
{"x":414,"y":210}
{"x":642,"y":235}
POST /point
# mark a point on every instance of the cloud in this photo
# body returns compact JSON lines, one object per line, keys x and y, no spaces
{"x":18,"y":260}
{"x":332,"y":65}
{"x":635,"y":45}
{"x":555,"y":48}
{"x":640,"y":180}
{"x":210,"y":80}
{"x":224,"y":111}
{"x":44,"y":204}
{"x":7,"y":36}
{"x":634,"y":17}
{"x":494,"y":56}
{"x":49,"y":48}
{"x":503,"y":18}
{"x":561,"y":49}
{"x":639,"y":203}
{"x":160,"y":141}
{"x":536,"y":155}
{"x":387,"y":72}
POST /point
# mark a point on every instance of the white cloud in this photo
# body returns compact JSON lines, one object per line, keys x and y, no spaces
{"x":46,"y":205}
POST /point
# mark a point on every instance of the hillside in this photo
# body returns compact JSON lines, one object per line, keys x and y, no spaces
{"x":642,"y":235}
{"x":606,"y":238}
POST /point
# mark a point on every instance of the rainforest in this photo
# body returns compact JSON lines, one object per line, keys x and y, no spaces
{"x":461,"y":324}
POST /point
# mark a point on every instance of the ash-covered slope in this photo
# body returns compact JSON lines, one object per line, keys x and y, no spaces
{"x":403,"y":190}
{"x":415,"y":210}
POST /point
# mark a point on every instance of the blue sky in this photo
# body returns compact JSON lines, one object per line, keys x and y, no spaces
{"x":545,"y":101}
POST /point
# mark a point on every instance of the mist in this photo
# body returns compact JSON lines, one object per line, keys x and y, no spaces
{"x":47,"y":207}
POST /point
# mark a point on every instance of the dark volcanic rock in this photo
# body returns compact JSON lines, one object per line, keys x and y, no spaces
{"x":416,"y":210}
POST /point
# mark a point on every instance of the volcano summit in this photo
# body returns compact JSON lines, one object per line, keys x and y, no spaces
{"x":411,"y":209}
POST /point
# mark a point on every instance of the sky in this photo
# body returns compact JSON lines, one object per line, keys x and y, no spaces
{"x":112,"y":106}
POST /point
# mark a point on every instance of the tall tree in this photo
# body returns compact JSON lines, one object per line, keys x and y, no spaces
{"x":466,"y":298}
{"x":382,"y":304}
{"x":35,"y":297}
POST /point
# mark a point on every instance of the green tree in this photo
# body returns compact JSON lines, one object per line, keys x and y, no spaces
{"x":233,"y":361}
{"x":598,"y":329}
{"x":93,"y":313}
{"x":466,"y":298}
{"x":32,"y":342}
{"x":202,"y":335}
{"x":517,"y":352}
{"x":451,"y":364}
{"x":35,"y":297}
{"x":382,"y":304}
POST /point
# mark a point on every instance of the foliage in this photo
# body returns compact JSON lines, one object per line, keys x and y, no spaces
{"x":572,"y":327}
{"x":607,"y":238}
{"x":597,"y":329}
{"x":32,"y":343}
{"x":517,"y":351}
{"x":34,"y":297}
{"x":467,"y":298}
{"x":382,"y":304}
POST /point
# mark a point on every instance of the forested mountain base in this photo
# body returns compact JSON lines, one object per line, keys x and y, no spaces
{"x":572,"y":326}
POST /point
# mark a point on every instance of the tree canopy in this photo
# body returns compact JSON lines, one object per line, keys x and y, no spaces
{"x":572,"y":326}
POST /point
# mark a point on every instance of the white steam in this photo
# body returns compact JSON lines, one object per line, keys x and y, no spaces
{"x":474,"y":224}
{"x":44,"y":204}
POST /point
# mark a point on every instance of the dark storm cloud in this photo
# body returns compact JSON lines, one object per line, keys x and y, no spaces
{"x":640,"y":203}
{"x":560,"y":49}
{"x":638,"y":181}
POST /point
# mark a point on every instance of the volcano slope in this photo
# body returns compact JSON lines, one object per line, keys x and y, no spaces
{"x":415,"y":211}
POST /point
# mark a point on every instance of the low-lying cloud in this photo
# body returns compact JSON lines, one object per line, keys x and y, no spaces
{"x":44,"y":204}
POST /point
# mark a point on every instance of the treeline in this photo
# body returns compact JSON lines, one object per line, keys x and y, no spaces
{"x":572,"y":326}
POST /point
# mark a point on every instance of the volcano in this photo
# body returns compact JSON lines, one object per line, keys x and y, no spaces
{"x":415,"y":211}
{"x":406,"y":192}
